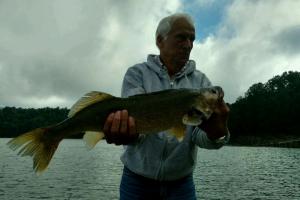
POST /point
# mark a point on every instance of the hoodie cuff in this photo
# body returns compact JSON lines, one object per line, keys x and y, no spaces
{"x":222,"y":140}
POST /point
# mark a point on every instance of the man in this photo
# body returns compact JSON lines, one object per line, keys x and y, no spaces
{"x":157,"y":166}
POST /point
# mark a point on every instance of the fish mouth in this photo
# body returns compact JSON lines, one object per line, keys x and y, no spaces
{"x":199,"y":113}
{"x":207,"y":101}
{"x":193,"y":117}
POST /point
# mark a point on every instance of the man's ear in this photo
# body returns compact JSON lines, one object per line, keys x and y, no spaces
{"x":159,"y":41}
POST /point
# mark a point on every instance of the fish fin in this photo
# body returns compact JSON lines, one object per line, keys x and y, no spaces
{"x":178,"y":132}
{"x":88,"y":99}
{"x":36,"y":145}
{"x":92,"y":138}
{"x":192,"y":119}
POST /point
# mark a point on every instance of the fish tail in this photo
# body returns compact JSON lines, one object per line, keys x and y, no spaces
{"x":38,"y":145}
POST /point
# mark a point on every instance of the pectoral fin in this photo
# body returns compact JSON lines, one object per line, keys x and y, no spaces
{"x":192,"y":118}
{"x":178,"y":132}
{"x":92,"y":138}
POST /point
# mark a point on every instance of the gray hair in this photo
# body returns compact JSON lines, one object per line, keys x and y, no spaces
{"x":166,"y":23}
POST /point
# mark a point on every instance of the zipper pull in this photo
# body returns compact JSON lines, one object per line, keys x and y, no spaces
{"x":171,"y":84}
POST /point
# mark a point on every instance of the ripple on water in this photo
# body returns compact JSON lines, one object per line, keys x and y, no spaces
{"x":75,"y":173}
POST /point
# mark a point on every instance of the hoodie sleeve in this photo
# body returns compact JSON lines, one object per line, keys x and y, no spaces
{"x":199,"y":137}
{"x":205,"y":82}
{"x":132,"y":82}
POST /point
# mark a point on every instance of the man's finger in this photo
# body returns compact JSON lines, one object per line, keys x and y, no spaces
{"x":115,"y":126}
{"x":107,"y":126}
{"x":108,"y":122}
{"x":131,"y":127}
{"x":224,"y":108}
{"x":124,"y":119}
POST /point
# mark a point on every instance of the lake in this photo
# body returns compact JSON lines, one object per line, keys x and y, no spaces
{"x":76,"y":173}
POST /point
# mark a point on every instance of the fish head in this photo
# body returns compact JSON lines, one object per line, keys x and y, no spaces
{"x":207,"y":100}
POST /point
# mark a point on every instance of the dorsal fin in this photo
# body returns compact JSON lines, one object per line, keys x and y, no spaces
{"x":88,"y":99}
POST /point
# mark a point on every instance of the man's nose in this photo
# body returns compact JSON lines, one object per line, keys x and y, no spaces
{"x":188,"y":44}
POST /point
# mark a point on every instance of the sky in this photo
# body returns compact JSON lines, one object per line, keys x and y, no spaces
{"x":53,"y":52}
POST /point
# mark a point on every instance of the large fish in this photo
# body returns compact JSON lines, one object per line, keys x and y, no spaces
{"x":153,"y":112}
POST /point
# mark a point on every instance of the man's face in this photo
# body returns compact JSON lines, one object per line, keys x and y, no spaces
{"x":176,"y":48}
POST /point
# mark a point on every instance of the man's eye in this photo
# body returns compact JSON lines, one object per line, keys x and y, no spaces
{"x":181,"y":37}
{"x":184,"y":37}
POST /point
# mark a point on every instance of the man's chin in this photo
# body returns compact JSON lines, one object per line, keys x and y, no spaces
{"x":182,"y":62}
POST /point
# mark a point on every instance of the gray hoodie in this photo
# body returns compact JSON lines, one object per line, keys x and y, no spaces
{"x":160,"y":156}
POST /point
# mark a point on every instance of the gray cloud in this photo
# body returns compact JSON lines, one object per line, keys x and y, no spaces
{"x":255,"y":41}
{"x":52,"y":52}
{"x":288,"y":40}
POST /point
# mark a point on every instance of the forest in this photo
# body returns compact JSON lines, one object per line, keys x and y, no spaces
{"x":267,"y":115}
{"x":15,"y":121}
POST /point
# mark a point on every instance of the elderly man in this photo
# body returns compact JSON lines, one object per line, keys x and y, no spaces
{"x":157,"y":166}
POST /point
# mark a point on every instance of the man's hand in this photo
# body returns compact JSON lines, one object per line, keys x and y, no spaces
{"x":216,"y":126}
{"x":119,"y":128}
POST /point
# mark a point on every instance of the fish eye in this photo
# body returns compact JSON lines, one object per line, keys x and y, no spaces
{"x":214,"y":90}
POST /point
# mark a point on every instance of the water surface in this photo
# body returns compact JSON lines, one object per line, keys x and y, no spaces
{"x":76,"y":173}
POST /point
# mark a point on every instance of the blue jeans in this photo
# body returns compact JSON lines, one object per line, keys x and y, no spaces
{"x":134,"y":187}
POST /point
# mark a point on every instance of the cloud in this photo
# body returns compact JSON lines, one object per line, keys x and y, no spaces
{"x":52,"y":52}
{"x":288,"y":40}
{"x":255,"y":41}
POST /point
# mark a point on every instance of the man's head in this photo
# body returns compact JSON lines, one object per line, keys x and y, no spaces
{"x":175,"y":35}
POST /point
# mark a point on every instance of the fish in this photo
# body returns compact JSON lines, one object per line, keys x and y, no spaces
{"x":168,"y":110}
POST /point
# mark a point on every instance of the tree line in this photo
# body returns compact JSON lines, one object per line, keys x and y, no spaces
{"x":15,"y":121}
{"x":268,"y":111}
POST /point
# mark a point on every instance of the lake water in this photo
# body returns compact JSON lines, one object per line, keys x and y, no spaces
{"x":76,"y":173}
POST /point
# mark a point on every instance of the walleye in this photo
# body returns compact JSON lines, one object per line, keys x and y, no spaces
{"x":168,"y":110}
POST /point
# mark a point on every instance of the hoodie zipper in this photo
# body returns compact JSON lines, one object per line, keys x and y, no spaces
{"x":172,"y":82}
{"x":164,"y":151}
{"x":162,"y":161}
